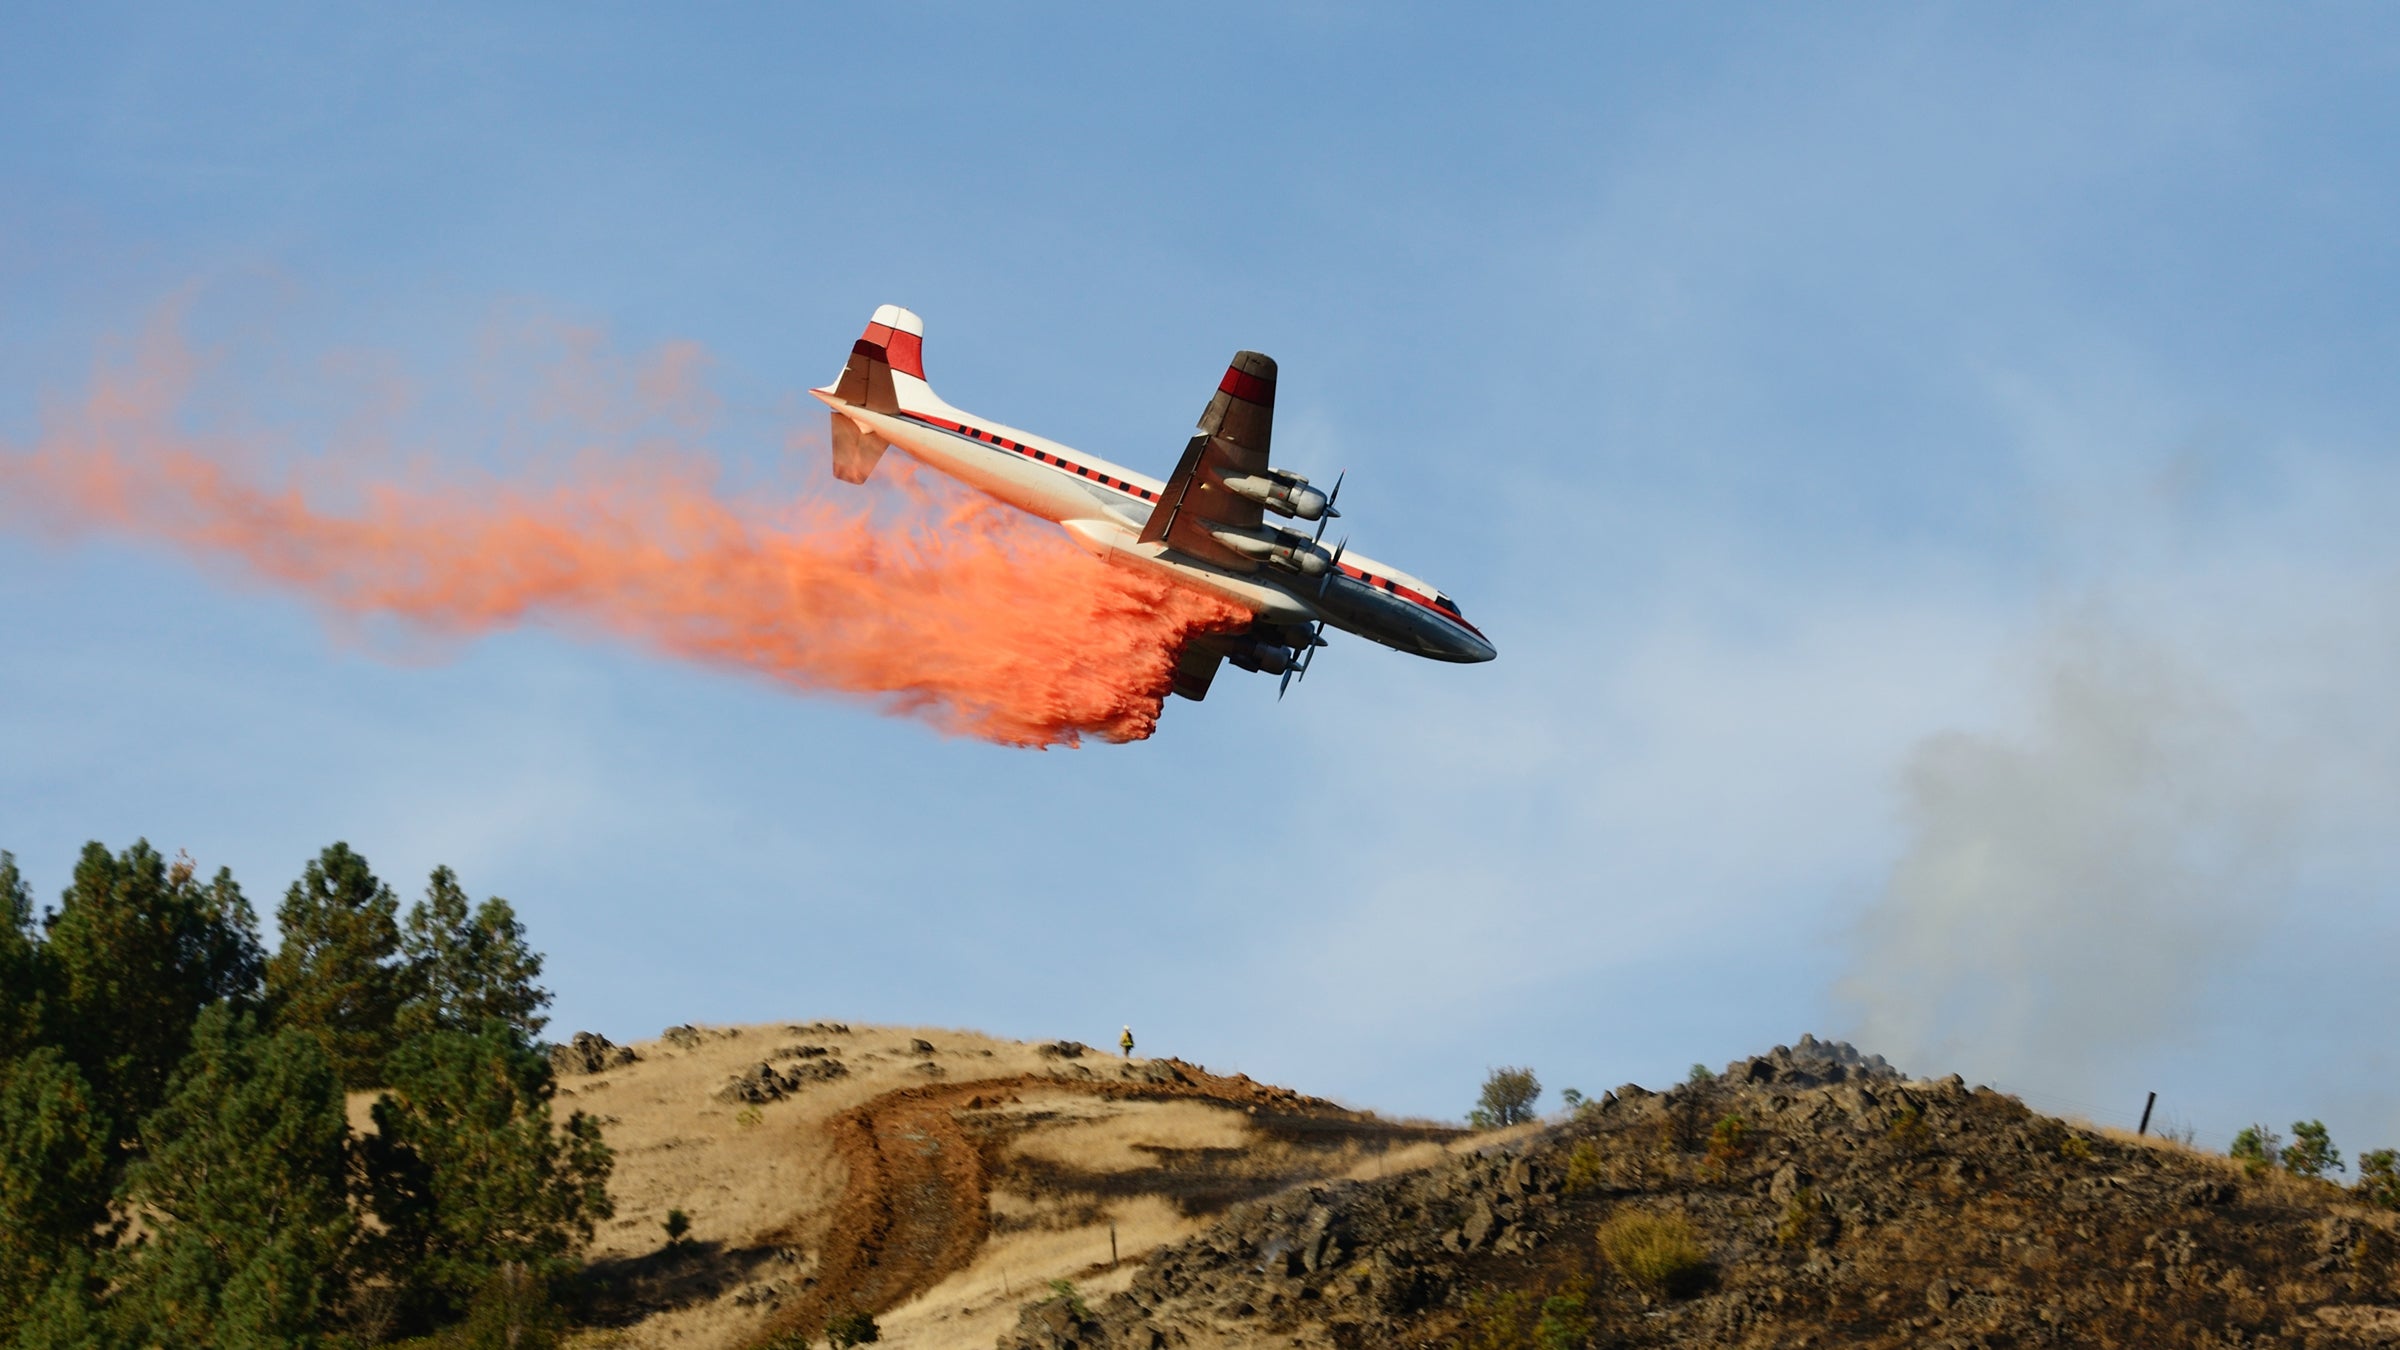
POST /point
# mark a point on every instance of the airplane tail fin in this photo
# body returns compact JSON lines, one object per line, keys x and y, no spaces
{"x":885,"y":374}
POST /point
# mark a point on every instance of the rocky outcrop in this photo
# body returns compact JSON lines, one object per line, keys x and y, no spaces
{"x":763,"y":1082}
{"x":1831,"y":1201}
{"x":589,"y":1052}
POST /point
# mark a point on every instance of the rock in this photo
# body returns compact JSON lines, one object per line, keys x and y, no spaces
{"x":920,"y":1047}
{"x":685,"y":1037}
{"x":1062,"y":1050}
{"x":589,"y":1052}
{"x":1938,"y":1295}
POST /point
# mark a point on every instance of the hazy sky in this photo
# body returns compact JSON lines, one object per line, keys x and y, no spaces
{"x":1929,"y":473}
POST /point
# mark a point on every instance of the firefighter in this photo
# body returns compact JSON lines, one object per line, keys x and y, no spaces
{"x":1125,"y":1042}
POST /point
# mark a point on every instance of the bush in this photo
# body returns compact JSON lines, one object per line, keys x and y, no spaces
{"x":1800,"y":1214}
{"x":1508,"y":1098}
{"x":1656,"y":1252}
{"x":852,"y":1328}
{"x":2379,"y":1177}
{"x":1515,"y":1320}
{"x":1064,"y":1291}
{"x":1585,"y":1168}
{"x":1909,"y":1132}
{"x":1701,"y":1074}
{"x":2076,"y":1148}
{"x":513,"y":1311}
{"x":1728,"y":1145}
{"x":2311,"y":1152}
{"x":678,"y":1226}
{"x":2256,"y":1148}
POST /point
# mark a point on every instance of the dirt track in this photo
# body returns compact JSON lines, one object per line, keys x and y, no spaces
{"x":916,"y":1205}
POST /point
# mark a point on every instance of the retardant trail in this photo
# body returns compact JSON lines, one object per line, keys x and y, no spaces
{"x":923,"y":600}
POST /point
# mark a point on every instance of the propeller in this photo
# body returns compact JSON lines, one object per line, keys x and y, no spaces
{"x":1330,"y":498}
{"x":1308,"y":655}
{"x":1316,"y":632}
{"x":1332,"y":569}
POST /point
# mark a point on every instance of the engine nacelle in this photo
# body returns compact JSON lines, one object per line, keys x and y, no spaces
{"x":1289,"y":550}
{"x":1265,"y":658}
{"x":1280,"y":491}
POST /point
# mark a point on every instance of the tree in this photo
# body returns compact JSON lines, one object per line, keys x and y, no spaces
{"x":242,"y":1186}
{"x":54,"y":1182}
{"x":468,"y":1173}
{"x":2311,"y":1152}
{"x":20,"y":963}
{"x":336,"y":975}
{"x":135,"y":951}
{"x":466,"y":968}
{"x":2379,"y":1177}
{"x":1508,"y":1098}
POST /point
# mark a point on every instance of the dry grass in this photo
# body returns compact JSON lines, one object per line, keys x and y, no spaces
{"x":1659,"y":1253}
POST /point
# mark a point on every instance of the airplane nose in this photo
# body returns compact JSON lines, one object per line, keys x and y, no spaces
{"x":1479,"y":650}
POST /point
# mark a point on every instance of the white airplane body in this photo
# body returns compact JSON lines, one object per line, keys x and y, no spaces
{"x":1203,"y":528}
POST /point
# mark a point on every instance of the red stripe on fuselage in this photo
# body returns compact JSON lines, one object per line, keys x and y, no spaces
{"x":1055,"y":461}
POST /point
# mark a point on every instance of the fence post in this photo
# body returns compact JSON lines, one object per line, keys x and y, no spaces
{"x":2145,"y":1125}
{"x":1112,"y":1244}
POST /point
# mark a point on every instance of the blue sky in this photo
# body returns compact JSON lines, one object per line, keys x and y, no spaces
{"x":1928,"y":473}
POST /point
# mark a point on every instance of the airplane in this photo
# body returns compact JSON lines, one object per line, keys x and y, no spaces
{"x":1204,"y":527}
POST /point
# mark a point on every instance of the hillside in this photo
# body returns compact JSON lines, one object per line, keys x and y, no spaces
{"x":942,"y":1180}
{"x":935,"y":1178}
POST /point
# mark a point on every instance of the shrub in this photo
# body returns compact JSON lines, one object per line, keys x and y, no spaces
{"x":2256,"y":1148}
{"x":1800,"y":1214}
{"x":513,"y":1311}
{"x":2379,"y":1177}
{"x":2075,"y":1147}
{"x":678,"y":1226}
{"x":1515,"y":1320}
{"x":1507,"y":1099}
{"x":1656,"y":1252}
{"x":2311,"y":1152}
{"x":1585,"y":1168}
{"x":1700,"y":1074}
{"x":1909,"y":1132}
{"x":1728,"y":1144}
{"x":1573,"y":1097}
{"x":1064,"y":1291}
{"x":852,"y":1328}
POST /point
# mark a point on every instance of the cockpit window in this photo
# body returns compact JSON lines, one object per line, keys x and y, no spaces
{"x":1449,"y":604}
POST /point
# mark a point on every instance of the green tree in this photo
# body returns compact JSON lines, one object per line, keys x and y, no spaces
{"x":466,"y":968}
{"x":54,"y":1183}
{"x":63,"y":1314}
{"x":2311,"y":1152}
{"x":136,"y":950}
{"x":1507,"y":1099}
{"x":242,"y":1185}
{"x":337,"y":975}
{"x":2379,"y":1177}
{"x":468,"y":1172}
{"x":20,"y":963}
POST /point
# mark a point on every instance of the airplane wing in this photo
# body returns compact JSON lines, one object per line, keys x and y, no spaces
{"x":1232,"y":441}
{"x":1196,"y":667}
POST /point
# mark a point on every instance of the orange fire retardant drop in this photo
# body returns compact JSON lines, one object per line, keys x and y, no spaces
{"x":940,"y":605}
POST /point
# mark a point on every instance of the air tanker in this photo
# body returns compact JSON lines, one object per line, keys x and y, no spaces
{"x":1205,"y":527}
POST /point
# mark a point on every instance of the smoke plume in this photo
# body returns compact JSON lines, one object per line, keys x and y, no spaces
{"x":921,"y":599}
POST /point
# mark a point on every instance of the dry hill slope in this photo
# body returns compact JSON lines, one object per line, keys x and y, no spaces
{"x":1848,"y":1208}
{"x":934,"y":1178}
{"x":942,"y":1179}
